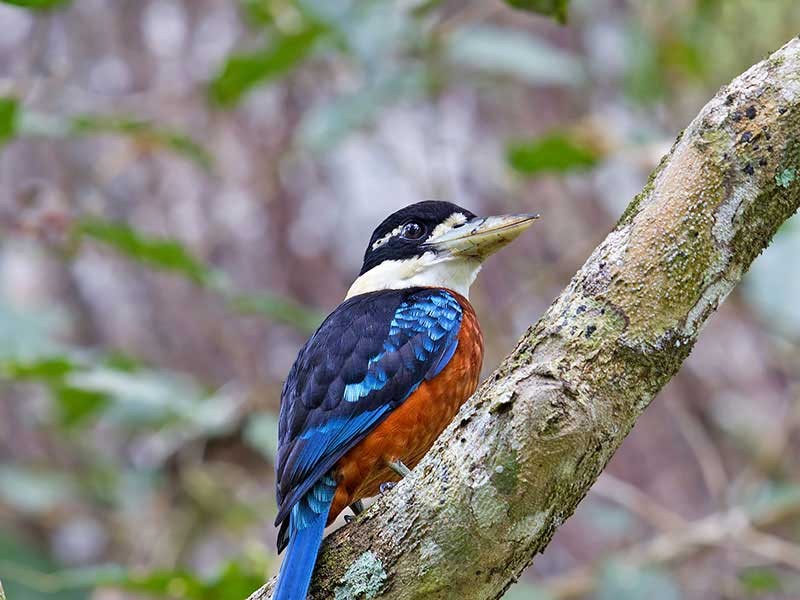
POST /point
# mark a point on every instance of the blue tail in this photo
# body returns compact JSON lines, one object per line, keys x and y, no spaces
{"x":306,"y":526}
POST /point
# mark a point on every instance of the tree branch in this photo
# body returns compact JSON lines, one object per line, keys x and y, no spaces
{"x":530,"y":443}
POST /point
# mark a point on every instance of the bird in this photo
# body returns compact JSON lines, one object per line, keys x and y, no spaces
{"x":384,"y":374}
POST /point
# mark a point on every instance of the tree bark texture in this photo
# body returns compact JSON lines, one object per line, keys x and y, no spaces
{"x":526,"y":448}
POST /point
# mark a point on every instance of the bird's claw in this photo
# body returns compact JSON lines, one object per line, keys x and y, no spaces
{"x":386,"y":486}
{"x":398,"y":467}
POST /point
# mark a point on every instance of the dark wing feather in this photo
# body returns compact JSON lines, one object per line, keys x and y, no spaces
{"x":367,"y":357}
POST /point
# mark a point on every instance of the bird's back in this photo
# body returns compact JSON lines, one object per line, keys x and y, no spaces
{"x":411,"y":429}
{"x":386,"y":371}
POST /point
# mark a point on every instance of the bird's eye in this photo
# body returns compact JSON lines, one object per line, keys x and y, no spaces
{"x":412,"y":231}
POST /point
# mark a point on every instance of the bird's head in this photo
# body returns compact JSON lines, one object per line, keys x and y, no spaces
{"x":433,"y":244}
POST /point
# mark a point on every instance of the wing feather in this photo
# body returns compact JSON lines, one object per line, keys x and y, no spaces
{"x":368,"y":356}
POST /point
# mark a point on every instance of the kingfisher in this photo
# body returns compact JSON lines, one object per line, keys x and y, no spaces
{"x":383,"y":375}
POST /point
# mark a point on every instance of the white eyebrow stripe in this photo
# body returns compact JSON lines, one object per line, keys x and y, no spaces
{"x":387,"y":237}
{"x":449,"y":223}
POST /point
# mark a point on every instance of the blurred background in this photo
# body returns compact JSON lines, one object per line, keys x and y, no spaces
{"x":187,"y":186}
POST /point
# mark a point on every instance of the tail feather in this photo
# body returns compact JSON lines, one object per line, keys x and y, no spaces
{"x":306,"y":526}
{"x":298,"y":564}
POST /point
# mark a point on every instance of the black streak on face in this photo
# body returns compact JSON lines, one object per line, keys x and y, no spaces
{"x":428,"y":214}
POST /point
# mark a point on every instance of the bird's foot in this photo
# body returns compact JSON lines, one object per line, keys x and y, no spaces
{"x":386,"y":486}
{"x":357,"y":507}
{"x":398,"y":467}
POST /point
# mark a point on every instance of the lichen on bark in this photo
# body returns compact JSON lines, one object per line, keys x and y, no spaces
{"x":526,"y":448}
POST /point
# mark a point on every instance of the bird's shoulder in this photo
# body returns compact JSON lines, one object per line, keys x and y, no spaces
{"x":358,"y":330}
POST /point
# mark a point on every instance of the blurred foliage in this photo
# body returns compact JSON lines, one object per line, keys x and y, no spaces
{"x":22,"y":123}
{"x":553,"y":8}
{"x":553,"y":152}
{"x":30,"y":577}
{"x":26,"y":571}
{"x":37,"y":4}
{"x":498,"y":52}
{"x":235,"y":581}
{"x":621,"y":581}
{"x":261,"y":433}
{"x":777,"y":269}
{"x":759,"y":581}
{"x":168,"y":255}
{"x":278,"y":308}
{"x":138,"y":393}
{"x":16,"y":122}
{"x":671,"y":48}
{"x":143,"y":133}
{"x":9,"y":109}
{"x":34,"y":491}
{"x":242,"y":72}
{"x":322,"y":129}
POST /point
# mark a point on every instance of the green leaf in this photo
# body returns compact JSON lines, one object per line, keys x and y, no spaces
{"x":173,"y":584}
{"x":77,"y":405}
{"x":120,"y":361}
{"x":171,"y":256}
{"x":234,"y":581}
{"x":758,"y":581}
{"x":9,"y":111}
{"x":257,"y":12}
{"x":242,"y":72}
{"x":145,"y":133}
{"x":161,"y":253}
{"x":147,"y":398}
{"x":46,"y":368}
{"x":552,"y":8}
{"x":502,"y":51}
{"x":37,"y":4}
{"x":556,"y":152}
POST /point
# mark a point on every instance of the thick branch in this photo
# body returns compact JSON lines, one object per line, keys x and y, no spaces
{"x":526,"y":448}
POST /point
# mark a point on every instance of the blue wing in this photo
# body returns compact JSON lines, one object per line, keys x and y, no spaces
{"x":367,"y":357}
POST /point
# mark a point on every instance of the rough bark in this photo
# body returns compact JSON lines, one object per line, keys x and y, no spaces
{"x":529,"y":444}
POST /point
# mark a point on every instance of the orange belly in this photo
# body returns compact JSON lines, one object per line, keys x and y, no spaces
{"x":410,"y":430}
